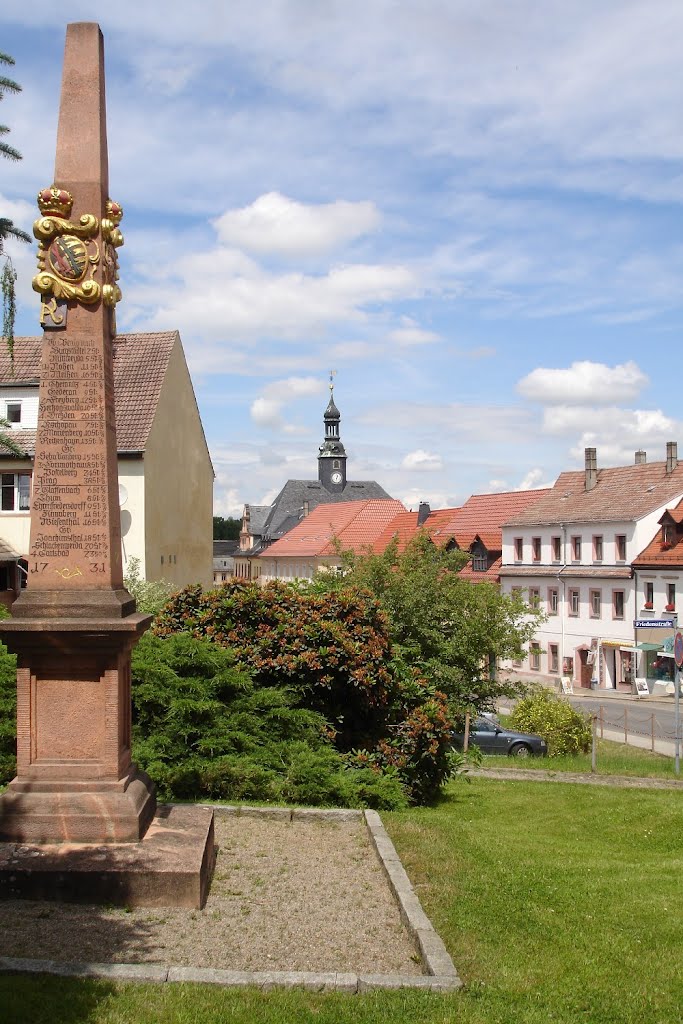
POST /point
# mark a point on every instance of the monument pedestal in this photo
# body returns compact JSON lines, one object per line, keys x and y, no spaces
{"x":75,"y":778}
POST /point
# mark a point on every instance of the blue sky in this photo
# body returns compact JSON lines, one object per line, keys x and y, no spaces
{"x":470,"y":211}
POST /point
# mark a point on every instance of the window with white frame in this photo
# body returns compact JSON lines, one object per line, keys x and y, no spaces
{"x":553,"y":658}
{"x":620,"y":545}
{"x":617,"y":604}
{"x":13,"y":414}
{"x":16,"y":492}
{"x":595,"y":603}
{"x":553,"y":600}
{"x":574,"y":601}
{"x":671,"y":597}
{"x":534,"y":597}
{"x":597,"y":548}
{"x":535,"y":549}
{"x":556,"y":547}
{"x":649,"y":595}
{"x":576,"y":549}
{"x":519,"y":549}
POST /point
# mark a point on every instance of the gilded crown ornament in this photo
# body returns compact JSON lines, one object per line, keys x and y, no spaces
{"x":111,"y":293}
{"x":56,"y":202}
{"x":67,"y":250}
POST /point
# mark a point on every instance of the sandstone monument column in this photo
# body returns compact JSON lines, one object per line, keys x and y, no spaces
{"x":74,"y":626}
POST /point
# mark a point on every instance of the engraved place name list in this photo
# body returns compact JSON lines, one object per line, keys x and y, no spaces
{"x":70,"y":538}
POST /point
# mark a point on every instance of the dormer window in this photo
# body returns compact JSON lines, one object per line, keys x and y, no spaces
{"x":13,"y":412}
{"x":667,"y":533}
{"x":480,"y":561}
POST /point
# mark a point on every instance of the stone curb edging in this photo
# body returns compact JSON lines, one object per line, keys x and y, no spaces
{"x":442,"y":976}
{"x":435,"y":955}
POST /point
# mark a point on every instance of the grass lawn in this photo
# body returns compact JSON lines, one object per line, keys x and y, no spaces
{"x":558,"y":903}
{"x":612,"y":759}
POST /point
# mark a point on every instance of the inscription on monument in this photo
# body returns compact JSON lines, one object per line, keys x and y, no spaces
{"x":70,"y":529}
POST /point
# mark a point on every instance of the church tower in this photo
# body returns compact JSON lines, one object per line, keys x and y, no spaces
{"x":332,"y":457}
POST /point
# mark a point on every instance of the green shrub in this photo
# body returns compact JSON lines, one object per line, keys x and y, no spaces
{"x":202,"y":729}
{"x":566,"y":730}
{"x":8,"y":715}
{"x":333,"y":653}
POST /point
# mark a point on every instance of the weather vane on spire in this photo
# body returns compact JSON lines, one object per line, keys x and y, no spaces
{"x":333,"y":374}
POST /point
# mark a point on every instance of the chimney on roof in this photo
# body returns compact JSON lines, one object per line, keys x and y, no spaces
{"x":591,"y":468}
{"x":423,"y":513}
{"x":305,"y":509}
{"x":671,"y":456}
{"x":641,"y":457}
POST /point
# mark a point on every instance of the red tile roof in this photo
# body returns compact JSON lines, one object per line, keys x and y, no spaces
{"x":484,"y":515}
{"x":404,"y":527}
{"x":356,"y":525}
{"x":622,"y":494}
{"x":655,"y":555}
{"x":140,"y":364}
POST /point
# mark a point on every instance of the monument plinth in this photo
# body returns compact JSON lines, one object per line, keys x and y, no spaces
{"x":74,"y":626}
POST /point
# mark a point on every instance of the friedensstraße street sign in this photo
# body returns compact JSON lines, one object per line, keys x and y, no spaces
{"x":657,"y":623}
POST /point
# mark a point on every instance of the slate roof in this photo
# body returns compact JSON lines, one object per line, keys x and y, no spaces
{"x":140,"y":364}
{"x":622,"y":494}
{"x":355,"y":524}
{"x":225,"y":548}
{"x":287,"y":509}
{"x":257,"y":517}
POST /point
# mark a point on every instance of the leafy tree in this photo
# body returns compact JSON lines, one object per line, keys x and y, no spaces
{"x":226,"y":529}
{"x":447,"y":627}
{"x":8,"y":229}
{"x":150,"y":595}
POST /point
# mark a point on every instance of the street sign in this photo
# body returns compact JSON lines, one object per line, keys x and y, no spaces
{"x":678,"y":649}
{"x":657,"y":623}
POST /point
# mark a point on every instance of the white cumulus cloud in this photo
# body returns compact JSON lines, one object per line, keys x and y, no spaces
{"x":423,"y":461}
{"x":273,"y":223}
{"x":583,"y":383}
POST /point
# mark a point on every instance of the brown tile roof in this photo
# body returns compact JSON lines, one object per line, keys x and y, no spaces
{"x":355,"y":525}
{"x":140,"y":364}
{"x":623,"y":493}
{"x":484,"y":515}
{"x":655,"y":555}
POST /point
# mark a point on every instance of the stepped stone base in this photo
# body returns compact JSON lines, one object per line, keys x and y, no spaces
{"x":171,"y":867}
{"x":45,"y":810}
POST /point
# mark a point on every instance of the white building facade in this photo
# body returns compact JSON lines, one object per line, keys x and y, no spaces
{"x":571,"y":555}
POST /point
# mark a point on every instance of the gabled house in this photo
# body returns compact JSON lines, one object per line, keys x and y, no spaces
{"x":571,"y":554}
{"x":476,"y":528}
{"x":314,"y":543}
{"x":224,"y":552}
{"x":164,"y":467}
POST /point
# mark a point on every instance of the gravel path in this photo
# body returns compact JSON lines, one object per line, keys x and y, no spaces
{"x":295,"y":896}
{"x":542,"y":775}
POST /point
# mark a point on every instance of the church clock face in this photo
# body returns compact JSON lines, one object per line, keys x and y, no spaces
{"x":336,"y":478}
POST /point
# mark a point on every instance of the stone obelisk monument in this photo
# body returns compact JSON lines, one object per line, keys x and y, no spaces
{"x":74,"y":626}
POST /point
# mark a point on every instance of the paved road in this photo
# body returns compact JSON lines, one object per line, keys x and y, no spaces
{"x":640,"y":717}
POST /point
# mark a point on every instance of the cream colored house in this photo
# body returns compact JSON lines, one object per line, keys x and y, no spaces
{"x":164,"y":466}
